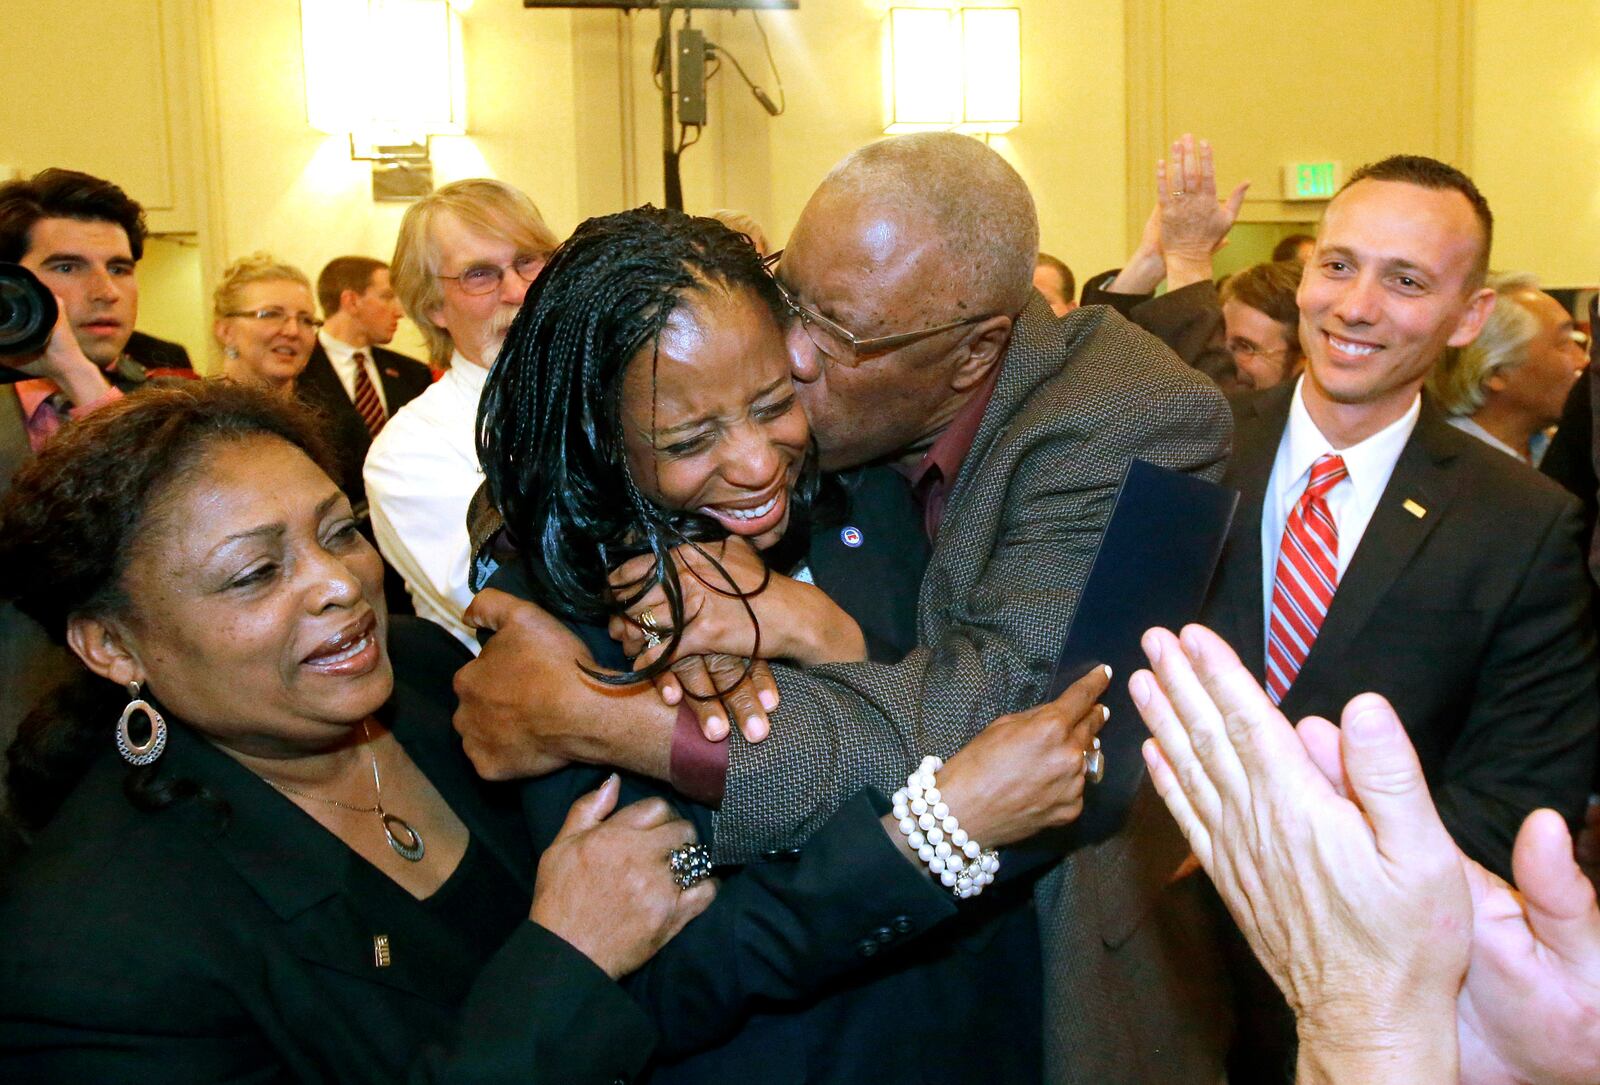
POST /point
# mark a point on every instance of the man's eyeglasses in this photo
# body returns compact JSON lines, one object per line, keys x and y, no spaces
{"x":486,"y":278}
{"x":1243,"y":348}
{"x":841,"y":346}
{"x":274,"y":315}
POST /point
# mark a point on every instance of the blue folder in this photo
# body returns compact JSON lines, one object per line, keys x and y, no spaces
{"x":1153,"y":567}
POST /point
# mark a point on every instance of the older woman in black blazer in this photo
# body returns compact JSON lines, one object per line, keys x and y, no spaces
{"x":303,"y":879}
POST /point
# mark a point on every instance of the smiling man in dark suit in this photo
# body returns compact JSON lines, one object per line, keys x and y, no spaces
{"x":350,"y":377}
{"x":1376,"y":549}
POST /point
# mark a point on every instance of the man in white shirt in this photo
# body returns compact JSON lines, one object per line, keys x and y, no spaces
{"x":351,"y":378}
{"x":462,"y":264}
{"x":1378,"y":548}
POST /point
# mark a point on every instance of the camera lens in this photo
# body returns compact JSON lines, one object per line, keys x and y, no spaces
{"x":27,"y":312}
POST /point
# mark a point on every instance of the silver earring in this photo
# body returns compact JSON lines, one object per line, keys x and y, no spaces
{"x":146,"y":752}
{"x":230,"y":352}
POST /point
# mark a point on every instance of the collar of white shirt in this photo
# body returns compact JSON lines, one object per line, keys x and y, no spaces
{"x":342,"y":356}
{"x":468,"y":377}
{"x":1369,"y":462}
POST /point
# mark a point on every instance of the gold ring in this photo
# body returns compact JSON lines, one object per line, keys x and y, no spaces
{"x":647,"y":622}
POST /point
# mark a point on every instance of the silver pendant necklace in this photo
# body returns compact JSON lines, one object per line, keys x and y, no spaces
{"x":406,"y":841}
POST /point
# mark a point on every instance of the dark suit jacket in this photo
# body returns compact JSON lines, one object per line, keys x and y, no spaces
{"x":175,"y":946}
{"x":404,"y":379}
{"x":1189,"y":320}
{"x":1472,"y":618}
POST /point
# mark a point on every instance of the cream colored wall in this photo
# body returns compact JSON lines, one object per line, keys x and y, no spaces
{"x":562,"y":104}
{"x":170,"y":278}
{"x":1070,"y":147}
{"x":1536,"y":135}
{"x":291,"y":190}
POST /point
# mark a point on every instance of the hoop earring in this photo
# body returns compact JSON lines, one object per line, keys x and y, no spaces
{"x":140,"y":753}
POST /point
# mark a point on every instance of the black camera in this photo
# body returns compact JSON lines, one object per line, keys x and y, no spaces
{"x":27,"y":312}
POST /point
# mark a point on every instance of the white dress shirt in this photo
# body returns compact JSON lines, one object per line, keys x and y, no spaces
{"x":1351,"y":502}
{"x":421,"y":474}
{"x":342,"y":356}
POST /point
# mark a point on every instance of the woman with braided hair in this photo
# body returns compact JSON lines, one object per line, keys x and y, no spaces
{"x":642,"y":403}
{"x":653,"y":475}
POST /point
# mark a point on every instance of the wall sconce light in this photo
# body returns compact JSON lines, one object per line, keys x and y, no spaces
{"x":389,"y":75}
{"x":953,"y":68}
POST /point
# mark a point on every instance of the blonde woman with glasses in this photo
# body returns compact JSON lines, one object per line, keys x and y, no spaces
{"x":266,"y":322}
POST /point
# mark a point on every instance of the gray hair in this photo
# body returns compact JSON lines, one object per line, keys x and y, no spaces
{"x":980,"y":207}
{"x":1458,"y":381}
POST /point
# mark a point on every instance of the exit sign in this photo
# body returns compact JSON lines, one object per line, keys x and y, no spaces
{"x":1310,"y":180}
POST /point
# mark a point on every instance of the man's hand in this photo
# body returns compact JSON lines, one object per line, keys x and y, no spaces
{"x":527,"y":707}
{"x":1186,"y":226}
{"x":1193,"y":224}
{"x":1530,"y":1010}
{"x":748,"y":692}
{"x":1357,"y":907}
{"x":64,"y":362}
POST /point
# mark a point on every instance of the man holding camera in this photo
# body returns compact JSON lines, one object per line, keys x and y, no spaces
{"x":81,"y":237}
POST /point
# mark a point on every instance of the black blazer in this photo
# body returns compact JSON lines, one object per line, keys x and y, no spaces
{"x":404,"y":379}
{"x":178,"y":947}
{"x":1465,"y":605}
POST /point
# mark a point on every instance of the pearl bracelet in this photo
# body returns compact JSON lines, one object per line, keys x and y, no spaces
{"x":959,"y":862}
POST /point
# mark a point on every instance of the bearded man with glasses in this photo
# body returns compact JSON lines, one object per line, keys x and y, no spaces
{"x":462,"y":264}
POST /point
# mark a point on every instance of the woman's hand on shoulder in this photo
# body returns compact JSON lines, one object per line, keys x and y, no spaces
{"x":604,"y":884}
{"x":734,"y":605}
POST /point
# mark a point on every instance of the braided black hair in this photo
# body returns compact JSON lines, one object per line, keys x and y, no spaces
{"x":550,"y":433}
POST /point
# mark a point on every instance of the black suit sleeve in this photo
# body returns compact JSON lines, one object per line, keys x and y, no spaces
{"x":1189,"y":320}
{"x":541,"y":1012}
{"x":780,"y":930}
{"x":1529,"y":737}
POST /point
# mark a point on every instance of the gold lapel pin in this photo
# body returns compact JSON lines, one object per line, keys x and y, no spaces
{"x":1414,"y":509}
{"x":380,"y":950}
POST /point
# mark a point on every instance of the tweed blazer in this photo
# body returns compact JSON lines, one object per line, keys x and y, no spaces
{"x":1129,"y":968}
{"x":1077,"y":399}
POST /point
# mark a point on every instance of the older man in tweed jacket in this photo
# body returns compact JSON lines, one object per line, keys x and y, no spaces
{"x":1016,"y":428}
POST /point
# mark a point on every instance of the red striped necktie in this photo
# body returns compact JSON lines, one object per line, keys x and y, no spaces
{"x":1307,"y":575}
{"x":368,"y":405}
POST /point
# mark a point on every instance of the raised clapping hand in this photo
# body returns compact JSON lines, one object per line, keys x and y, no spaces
{"x":1187,"y":225}
{"x":1357,"y":907}
{"x":1528,"y":1009}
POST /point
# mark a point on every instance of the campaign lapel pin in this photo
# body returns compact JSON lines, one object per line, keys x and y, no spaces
{"x":850,"y":536}
{"x":1414,"y":509}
